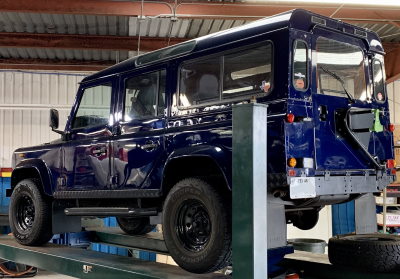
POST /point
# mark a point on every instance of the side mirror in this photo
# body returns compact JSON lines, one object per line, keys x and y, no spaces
{"x":53,"y":119}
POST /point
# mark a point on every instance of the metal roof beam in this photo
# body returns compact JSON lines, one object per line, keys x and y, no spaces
{"x":392,"y":58}
{"x":64,"y":41}
{"x":199,"y":9}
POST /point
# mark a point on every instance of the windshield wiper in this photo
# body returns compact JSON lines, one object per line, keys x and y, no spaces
{"x":335,"y":76}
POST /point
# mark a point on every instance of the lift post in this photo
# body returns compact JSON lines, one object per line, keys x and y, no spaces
{"x":249,"y":210}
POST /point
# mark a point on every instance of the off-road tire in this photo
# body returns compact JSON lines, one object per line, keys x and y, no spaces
{"x":195,"y":196}
{"x":135,"y":226}
{"x":373,"y":252}
{"x":38,"y":230}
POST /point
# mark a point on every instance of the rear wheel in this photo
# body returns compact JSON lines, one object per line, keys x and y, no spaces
{"x":30,"y":214}
{"x":135,"y":226}
{"x":197,"y":226}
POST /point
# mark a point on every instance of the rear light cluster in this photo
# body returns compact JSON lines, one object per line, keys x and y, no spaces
{"x":301,"y":163}
{"x":391,"y":164}
{"x":391,"y":128}
{"x":290,"y":117}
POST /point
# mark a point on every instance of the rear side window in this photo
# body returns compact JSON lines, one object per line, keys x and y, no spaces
{"x":247,"y":72}
{"x":94,"y":107}
{"x":379,"y":84}
{"x":228,"y":75}
{"x":144,"y":95}
{"x":300,"y":71}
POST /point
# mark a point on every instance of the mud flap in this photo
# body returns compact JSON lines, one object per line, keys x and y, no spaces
{"x":365,"y":214}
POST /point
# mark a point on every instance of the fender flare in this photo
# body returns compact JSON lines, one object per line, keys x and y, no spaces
{"x":41,"y":170}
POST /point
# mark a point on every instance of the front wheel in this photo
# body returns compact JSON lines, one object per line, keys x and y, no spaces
{"x":30,"y":214}
{"x":197,"y":226}
{"x":135,"y":226}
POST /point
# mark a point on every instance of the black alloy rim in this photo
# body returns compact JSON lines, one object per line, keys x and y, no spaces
{"x":25,"y":213}
{"x":193,"y":225}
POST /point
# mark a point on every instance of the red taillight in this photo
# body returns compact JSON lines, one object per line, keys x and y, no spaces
{"x":391,"y":128}
{"x":290,"y":117}
{"x":391,"y":164}
{"x":292,"y":173}
{"x":393,"y":171}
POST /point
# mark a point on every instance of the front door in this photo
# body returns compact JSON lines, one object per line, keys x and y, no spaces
{"x":87,"y":153}
{"x":138,"y":147}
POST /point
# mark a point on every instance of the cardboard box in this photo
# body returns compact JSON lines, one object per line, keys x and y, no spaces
{"x":391,"y":219}
{"x":389,"y":200}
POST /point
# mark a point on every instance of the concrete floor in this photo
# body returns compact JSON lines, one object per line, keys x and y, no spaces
{"x":42,"y":274}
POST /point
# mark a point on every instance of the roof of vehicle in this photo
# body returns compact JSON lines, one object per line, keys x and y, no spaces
{"x":298,"y":19}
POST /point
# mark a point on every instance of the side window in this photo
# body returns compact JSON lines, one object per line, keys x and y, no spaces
{"x":145,"y":95}
{"x":199,"y":82}
{"x":248,"y":71}
{"x":300,"y":71}
{"x":379,"y":85}
{"x":94,"y":107}
{"x":227,"y":75}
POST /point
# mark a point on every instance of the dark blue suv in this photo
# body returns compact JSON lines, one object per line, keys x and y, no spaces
{"x":151,"y":137}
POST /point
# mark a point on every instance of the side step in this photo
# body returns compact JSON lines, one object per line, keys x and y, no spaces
{"x":110,"y":211}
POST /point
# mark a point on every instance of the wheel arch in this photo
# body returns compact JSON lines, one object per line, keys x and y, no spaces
{"x":195,"y":165}
{"x":32,"y":168}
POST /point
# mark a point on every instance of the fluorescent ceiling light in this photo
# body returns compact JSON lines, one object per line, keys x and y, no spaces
{"x":389,"y":3}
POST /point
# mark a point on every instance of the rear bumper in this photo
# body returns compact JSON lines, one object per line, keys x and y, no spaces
{"x":311,"y":187}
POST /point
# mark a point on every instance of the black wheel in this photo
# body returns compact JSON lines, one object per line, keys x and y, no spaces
{"x":306,"y":219}
{"x":197,"y":226}
{"x":373,"y":252}
{"x":135,"y":226}
{"x":30,"y":214}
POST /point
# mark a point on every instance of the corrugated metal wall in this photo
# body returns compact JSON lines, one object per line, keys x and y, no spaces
{"x":25,"y":99}
{"x":394,"y":101}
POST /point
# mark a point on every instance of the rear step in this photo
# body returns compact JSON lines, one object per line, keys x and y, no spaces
{"x":110,"y":211}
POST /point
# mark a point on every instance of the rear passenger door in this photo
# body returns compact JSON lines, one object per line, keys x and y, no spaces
{"x":138,"y":144}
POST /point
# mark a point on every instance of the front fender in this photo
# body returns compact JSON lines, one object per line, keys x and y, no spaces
{"x":29,"y":167}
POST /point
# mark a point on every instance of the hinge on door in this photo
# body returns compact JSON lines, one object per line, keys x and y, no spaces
{"x":61,"y":181}
{"x":114,"y":180}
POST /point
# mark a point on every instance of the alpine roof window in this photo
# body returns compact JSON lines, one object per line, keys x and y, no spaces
{"x":340,"y":69}
{"x":246,"y":72}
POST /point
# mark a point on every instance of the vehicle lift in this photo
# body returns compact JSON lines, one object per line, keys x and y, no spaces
{"x":257,"y":244}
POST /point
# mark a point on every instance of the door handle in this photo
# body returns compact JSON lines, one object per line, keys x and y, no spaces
{"x":323,"y":112}
{"x":99,"y":151}
{"x":150,"y":145}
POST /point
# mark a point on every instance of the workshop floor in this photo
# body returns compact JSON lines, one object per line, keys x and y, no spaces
{"x":43,"y":274}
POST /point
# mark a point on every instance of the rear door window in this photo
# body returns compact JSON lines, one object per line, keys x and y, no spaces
{"x":340,"y":66}
{"x":144,"y":96}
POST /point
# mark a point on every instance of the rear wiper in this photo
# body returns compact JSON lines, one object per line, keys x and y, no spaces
{"x":335,"y":76}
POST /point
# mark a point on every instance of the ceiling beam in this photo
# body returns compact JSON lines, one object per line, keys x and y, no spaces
{"x":64,"y":41}
{"x":53,"y":64}
{"x":198,"y":9}
{"x":392,"y":58}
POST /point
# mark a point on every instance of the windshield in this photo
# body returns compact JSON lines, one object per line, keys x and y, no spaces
{"x":340,"y":68}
